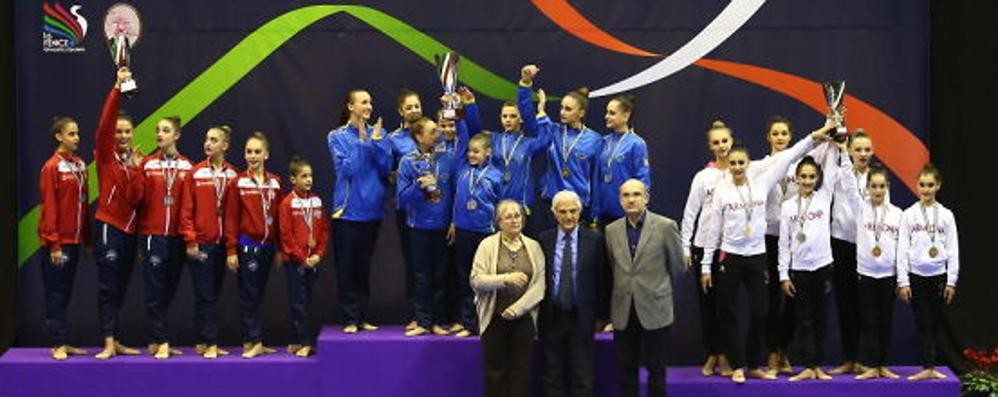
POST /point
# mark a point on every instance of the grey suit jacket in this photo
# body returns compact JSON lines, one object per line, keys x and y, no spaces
{"x":646,"y":279}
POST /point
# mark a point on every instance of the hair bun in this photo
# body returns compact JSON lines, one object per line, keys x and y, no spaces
{"x":717,"y":124}
{"x":584,"y":91}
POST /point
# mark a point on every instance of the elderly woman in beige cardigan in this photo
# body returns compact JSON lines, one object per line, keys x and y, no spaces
{"x":508,"y":278}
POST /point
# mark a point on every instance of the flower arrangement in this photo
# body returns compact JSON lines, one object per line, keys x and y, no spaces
{"x":983,"y":378}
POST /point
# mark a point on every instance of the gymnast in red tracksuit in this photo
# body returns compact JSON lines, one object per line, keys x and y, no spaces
{"x":117,"y":162}
{"x":63,"y":227}
{"x":156,"y":191}
{"x":304,"y":231}
{"x":201,"y":228}
{"x":251,"y":229}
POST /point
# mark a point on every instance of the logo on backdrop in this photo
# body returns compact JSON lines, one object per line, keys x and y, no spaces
{"x":63,"y":31}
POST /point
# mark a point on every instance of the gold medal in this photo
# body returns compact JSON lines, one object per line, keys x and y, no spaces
{"x":876,"y":251}
{"x":564,"y":172}
{"x":801,"y":237}
{"x":748,"y":231}
{"x":933,"y":251}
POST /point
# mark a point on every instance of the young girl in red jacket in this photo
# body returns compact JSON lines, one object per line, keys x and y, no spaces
{"x":117,"y":163}
{"x":63,"y":227}
{"x":303,"y":245}
{"x":201,"y":228}
{"x":156,"y":191}
{"x":251,"y":228}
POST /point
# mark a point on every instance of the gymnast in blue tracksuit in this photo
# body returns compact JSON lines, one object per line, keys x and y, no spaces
{"x":574,"y":148}
{"x":361,"y":161}
{"x":512,"y":149}
{"x":624,"y":156}
{"x":425,"y":192}
{"x":410,"y":109}
{"x":476,"y":194}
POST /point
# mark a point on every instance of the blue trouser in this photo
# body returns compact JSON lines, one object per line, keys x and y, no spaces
{"x":58,"y":282}
{"x":301,"y":279}
{"x":115,"y":261}
{"x":161,"y":267}
{"x":353,"y":245}
{"x":207,"y":274}
{"x":466,"y":243}
{"x":254,"y":271}
{"x":427,"y":250}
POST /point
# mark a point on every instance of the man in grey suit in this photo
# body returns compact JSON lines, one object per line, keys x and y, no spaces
{"x":645,"y":253}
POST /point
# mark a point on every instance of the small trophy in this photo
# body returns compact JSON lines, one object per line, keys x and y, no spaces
{"x":834,"y":91}
{"x":122,"y":28}
{"x":447,"y":69}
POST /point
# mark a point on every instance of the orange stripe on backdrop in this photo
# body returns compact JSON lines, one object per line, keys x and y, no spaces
{"x":569,"y":19}
{"x":900,"y":150}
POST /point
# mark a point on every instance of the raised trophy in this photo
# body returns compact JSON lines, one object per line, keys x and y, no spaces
{"x":834,"y":92}
{"x":122,"y":27}
{"x":447,"y":69}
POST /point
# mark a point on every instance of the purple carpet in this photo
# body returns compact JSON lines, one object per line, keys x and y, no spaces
{"x":32,"y":372}
{"x":380,"y":363}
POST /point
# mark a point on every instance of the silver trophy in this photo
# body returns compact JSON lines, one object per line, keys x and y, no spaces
{"x":834,"y":94}
{"x":447,"y":70}
{"x":122,"y":27}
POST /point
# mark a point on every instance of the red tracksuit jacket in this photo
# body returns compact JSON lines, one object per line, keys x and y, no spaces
{"x":295,"y":209}
{"x":114,"y":171}
{"x":158,"y":199}
{"x":201,"y":218}
{"x":63,"y":187}
{"x":248,"y":207}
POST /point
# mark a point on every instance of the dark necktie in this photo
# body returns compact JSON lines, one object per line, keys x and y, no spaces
{"x":565,"y":278}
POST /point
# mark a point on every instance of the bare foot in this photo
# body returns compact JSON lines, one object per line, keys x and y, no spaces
{"x":738,"y":376}
{"x":708,"y":367}
{"x":255,"y":350}
{"x":72,"y":351}
{"x":418,"y":331}
{"x":455,"y":328}
{"x":125,"y":350}
{"x":821,"y":375}
{"x":761,"y":374}
{"x":438,"y":330}
{"x":871,"y":373}
{"x":304,"y":352}
{"x":845,"y":368}
{"x":412,"y":324}
{"x":464,"y":333}
{"x":294,"y":348}
{"x":366,"y":326}
{"x":350,"y":329}
{"x":163,"y":351}
{"x":211,"y":352}
{"x":806,"y":374}
{"x":887,"y":373}
{"x":59,"y":353}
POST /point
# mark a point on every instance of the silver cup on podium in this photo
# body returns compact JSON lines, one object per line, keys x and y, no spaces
{"x":447,"y":70}
{"x":834,"y":94}
{"x":122,"y":27}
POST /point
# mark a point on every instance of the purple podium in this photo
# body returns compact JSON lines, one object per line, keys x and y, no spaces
{"x":380,"y":363}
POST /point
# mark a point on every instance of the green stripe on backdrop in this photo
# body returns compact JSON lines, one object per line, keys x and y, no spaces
{"x":246,"y":55}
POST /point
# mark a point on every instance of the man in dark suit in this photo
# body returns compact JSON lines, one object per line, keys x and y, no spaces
{"x":645,"y":252}
{"x":575,"y":256}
